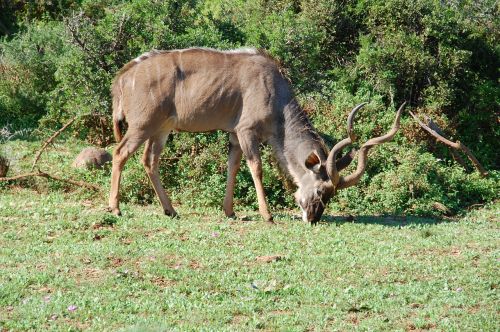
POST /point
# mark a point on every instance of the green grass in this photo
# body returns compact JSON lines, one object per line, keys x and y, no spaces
{"x":60,"y":250}
{"x":146,"y":271}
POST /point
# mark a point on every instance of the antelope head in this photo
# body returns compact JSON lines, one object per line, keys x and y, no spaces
{"x":322,"y":180}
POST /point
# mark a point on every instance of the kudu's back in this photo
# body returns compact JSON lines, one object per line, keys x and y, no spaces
{"x":199,"y":90}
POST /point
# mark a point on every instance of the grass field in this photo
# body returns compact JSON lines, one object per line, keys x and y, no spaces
{"x":65,"y":264}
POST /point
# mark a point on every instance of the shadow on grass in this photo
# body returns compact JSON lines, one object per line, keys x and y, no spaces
{"x":386,"y":220}
{"x":282,"y":217}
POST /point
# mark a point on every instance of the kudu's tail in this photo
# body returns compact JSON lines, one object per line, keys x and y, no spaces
{"x":118,"y":115}
{"x":116,"y":129}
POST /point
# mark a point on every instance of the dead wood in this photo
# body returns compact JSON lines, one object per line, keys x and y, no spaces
{"x":455,"y":145}
{"x":53,"y":177}
{"x":49,"y":140}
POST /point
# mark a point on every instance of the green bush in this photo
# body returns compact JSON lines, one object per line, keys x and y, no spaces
{"x":28,"y":65}
{"x":58,"y":60}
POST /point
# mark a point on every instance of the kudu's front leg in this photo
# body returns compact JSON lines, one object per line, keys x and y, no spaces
{"x":250,"y":147}
{"x":233,"y":165}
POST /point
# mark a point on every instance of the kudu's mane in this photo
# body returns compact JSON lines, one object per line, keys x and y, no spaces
{"x":299,"y":128}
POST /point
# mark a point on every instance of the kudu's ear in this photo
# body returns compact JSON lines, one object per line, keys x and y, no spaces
{"x":313,"y":162}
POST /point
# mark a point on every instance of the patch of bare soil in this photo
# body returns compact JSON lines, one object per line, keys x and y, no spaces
{"x":162,"y":282}
{"x":269,"y":259}
{"x":239,"y":319}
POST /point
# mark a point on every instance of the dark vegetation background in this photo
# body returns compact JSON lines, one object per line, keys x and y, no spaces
{"x":58,"y":57}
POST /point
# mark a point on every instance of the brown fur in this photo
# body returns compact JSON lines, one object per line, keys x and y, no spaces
{"x":242,"y":92}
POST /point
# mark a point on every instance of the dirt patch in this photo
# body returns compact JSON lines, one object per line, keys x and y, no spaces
{"x":88,"y":274}
{"x":239,"y":319}
{"x":126,"y":241}
{"x":162,"y":282}
{"x":75,"y":324}
{"x":98,"y":226}
{"x":178,"y":264}
{"x":44,"y":289}
{"x":474,"y":309}
{"x":195,"y":265}
{"x":353,"y":318}
{"x":425,"y":327}
{"x":115,"y":261}
{"x":183,"y":236}
{"x":92,"y":273}
{"x":449,"y":251}
{"x":411,"y":327}
{"x":269,"y":259}
{"x":152,"y":233}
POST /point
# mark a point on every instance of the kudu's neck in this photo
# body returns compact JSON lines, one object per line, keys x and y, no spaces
{"x":298,"y":140}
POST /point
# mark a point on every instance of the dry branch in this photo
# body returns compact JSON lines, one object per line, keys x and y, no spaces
{"x":438,"y":130}
{"x":91,"y":55}
{"x":53,"y":177}
{"x":455,"y":145}
{"x":48,"y":141}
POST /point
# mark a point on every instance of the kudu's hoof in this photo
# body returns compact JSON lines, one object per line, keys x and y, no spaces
{"x":115,"y":211}
{"x":171,"y":214}
{"x":269,"y":220}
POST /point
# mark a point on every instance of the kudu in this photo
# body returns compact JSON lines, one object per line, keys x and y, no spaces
{"x":243,"y":93}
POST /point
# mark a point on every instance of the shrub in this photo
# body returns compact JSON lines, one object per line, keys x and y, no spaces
{"x":28,"y":63}
{"x":58,"y":62}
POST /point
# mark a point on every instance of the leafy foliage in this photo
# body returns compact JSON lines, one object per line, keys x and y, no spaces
{"x":57,"y":60}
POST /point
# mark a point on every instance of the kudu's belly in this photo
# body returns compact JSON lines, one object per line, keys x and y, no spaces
{"x":213,"y":113}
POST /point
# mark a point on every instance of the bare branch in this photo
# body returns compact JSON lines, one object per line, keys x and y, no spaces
{"x":455,"y":145}
{"x":48,"y":141}
{"x":118,"y":41}
{"x":456,"y":156}
{"x":53,"y":177}
{"x":90,"y":55}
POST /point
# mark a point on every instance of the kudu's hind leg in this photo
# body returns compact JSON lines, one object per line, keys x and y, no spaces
{"x":122,"y":152}
{"x":250,"y":147}
{"x":150,"y":160}
{"x":233,"y":165}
